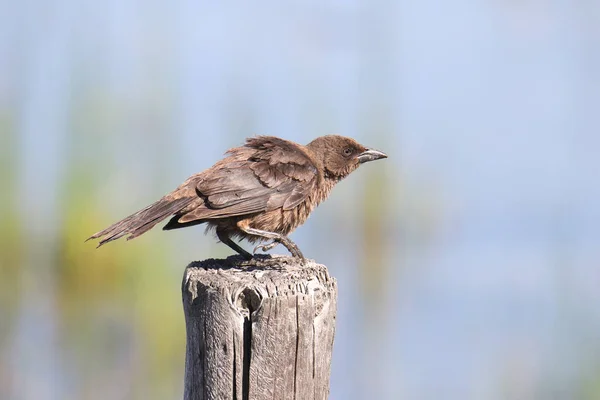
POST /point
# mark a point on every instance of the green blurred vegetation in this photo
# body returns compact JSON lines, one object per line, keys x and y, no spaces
{"x":126,"y":294}
{"x":11,"y":243}
{"x":117,"y":306}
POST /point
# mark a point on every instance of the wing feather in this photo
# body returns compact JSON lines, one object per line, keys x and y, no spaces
{"x":265,"y":174}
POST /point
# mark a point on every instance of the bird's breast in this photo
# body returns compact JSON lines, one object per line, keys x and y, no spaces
{"x":284,"y":221}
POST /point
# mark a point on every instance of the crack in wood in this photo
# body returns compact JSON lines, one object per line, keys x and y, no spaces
{"x":246,"y":357}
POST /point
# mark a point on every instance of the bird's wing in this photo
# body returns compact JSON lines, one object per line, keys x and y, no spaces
{"x":265,"y":174}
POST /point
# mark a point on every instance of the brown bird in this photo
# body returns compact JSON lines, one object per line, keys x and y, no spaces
{"x":262,"y":190}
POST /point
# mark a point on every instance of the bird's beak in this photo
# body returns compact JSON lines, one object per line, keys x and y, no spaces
{"x":370,"y":155}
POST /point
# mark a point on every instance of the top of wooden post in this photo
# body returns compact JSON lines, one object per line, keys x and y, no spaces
{"x":249,"y":282}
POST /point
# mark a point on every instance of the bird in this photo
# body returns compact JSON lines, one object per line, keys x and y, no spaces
{"x":260,"y":191}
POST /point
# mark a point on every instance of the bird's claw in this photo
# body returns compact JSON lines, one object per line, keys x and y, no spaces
{"x":288,"y":244}
{"x":293,"y":249}
{"x":266,"y":246}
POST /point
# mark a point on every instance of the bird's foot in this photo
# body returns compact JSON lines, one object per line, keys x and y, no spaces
{"x":277,"y":238}
{"x":266,"y":246}
{"x":292,"y":248}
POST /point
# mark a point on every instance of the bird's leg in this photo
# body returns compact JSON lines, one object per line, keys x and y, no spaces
{"x":225,"y":239}
{"x":276,"y":237}
{"x":266,"y":246}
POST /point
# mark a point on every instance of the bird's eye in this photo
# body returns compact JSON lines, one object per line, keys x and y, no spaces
{"x":348,"y":151}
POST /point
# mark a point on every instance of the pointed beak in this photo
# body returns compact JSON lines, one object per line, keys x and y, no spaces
{"x":370,"y":155}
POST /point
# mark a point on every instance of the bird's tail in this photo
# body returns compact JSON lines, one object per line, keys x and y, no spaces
{"x":143,"y":220}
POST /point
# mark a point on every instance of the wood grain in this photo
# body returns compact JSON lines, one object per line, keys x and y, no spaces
{"x":258,"y":332}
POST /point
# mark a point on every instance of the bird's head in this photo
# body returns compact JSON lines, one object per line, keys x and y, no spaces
{"x":341,"y":155}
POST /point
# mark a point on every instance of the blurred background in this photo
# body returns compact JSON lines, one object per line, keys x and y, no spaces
{"x":468,"y":262}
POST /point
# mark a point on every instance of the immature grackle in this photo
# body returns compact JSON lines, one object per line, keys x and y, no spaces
{"x":260,"y":191}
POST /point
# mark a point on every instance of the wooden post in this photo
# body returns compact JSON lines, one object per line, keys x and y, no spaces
{"x":258,"y":332}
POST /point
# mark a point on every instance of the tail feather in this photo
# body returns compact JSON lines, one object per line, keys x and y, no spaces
{"x":143,"y":220}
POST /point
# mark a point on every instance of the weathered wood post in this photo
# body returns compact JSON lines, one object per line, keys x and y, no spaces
{"x":258,"y":332}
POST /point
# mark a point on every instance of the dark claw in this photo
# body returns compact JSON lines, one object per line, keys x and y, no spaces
{"x":266,"y":246}
{"x":292,"y":248}
{"x":277,"y":238}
